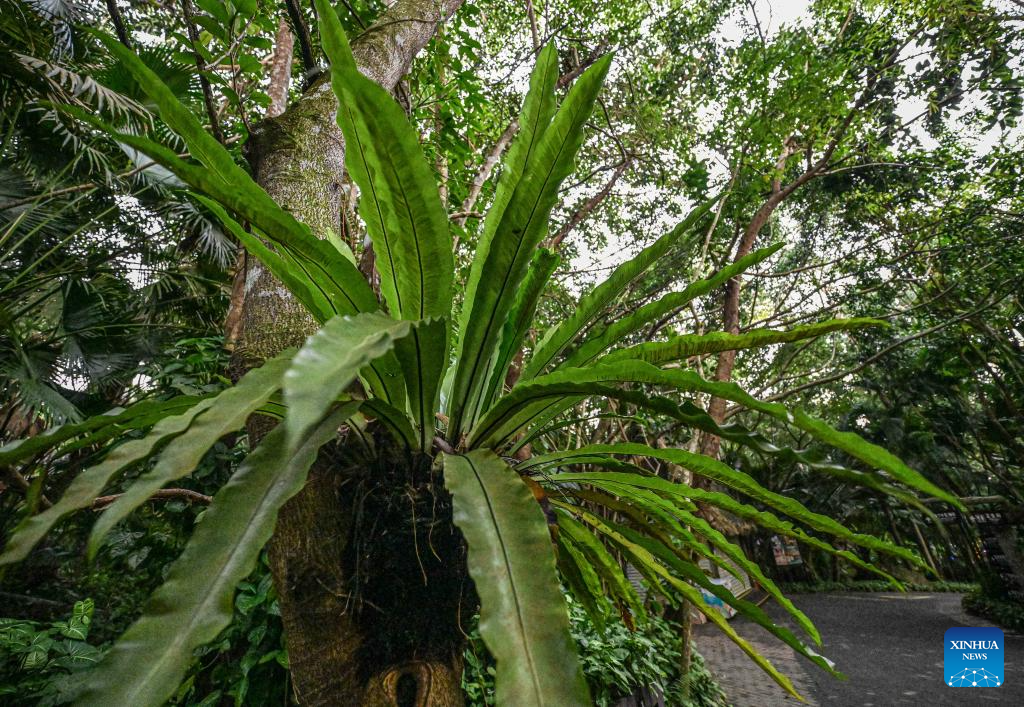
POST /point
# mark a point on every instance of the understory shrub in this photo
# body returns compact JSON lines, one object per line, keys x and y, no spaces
{"x":1004,"y":612}
{"x":36,"y":656}
{"x":246,"y":665}
{"x":616,"y":661}
{"x":870,"y":585}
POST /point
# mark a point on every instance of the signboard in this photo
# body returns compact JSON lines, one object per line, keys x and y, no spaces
{"x":997,"y":531}
{"x":786,"y":551}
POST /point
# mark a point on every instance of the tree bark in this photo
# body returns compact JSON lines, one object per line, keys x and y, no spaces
{"x":280,"y":70}
{"x":298,"y":158}
{"x":711,"y":444}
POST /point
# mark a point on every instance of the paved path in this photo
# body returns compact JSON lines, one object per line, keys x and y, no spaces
{"x":890,"y":646}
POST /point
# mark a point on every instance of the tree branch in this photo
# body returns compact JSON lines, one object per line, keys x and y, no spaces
{"x":309,"y":63}
{"x":280,"y":69}
{"x":591,"y":204}
{"x":162,"y":495}
{"x":484,"y":173}
{"x":118,"y":21}
{"x":193,"y":37}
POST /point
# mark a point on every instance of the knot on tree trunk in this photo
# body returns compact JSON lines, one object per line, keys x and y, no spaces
{"x":417,"y":684}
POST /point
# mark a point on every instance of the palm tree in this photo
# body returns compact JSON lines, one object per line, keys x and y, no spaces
{"x":397,"y":418}
{"x":82,"y":307}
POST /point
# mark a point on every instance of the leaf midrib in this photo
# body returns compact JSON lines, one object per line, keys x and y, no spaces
{"x":477,"y":357}
{"x":237,"y":548}
{"x":511,"y":580}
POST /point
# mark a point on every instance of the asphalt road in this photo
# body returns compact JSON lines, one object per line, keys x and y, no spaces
{"x":888,"y":644}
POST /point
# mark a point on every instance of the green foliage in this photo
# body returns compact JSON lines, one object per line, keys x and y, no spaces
{"x":616,"y":660}
{"x":192,"y":366}
{"x":681,"y":347}
{"x":875,"y":586}
{"x":1004,"y":612}
{"x":35,"y":658}
{"x":604,"y":337}
{"x":534,"y":118}
{"x":247,"y":663}
{"x":698,"y":687}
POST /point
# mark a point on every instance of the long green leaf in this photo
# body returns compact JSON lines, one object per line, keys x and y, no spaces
{"x":523,"y":618}
{"x":646,"y":506}
{"x":647,"y":564}
{"x":871,"y":454}
{"x":597,"y":301}
{"x":617,"y":482}
{"x":658,"y":517}
{"x":582,"y":581}
{"x":423,"y":355}
{"x":493,"y":284}
{"x":679,"y":510}
{"x":696,"y":418}
{"x":738,"y":481}
{"x":88,"y":485}
{"x":671,"y":515}
{"x":681,"y":347}
{"x":735,"y":553}
{"x":534,"y":119}
{"x":606,"y":566}
{"x":538,"y":109}
{"x":694,"y":574}
{"x":381,"y":376}
{"x":147,"y":664}
{"x":515,"y":410}
{"x":528,"y":400}
{"x":519,"y":319}
{"x":329,"y":362}
{"x":399,"y":201}
{"x":603,"y":338}
{"x":116,"y":421}
{"x":227,"y":413}
{"x":203,"y":146}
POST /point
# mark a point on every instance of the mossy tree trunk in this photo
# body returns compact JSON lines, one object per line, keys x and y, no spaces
{"x":341,"y":651}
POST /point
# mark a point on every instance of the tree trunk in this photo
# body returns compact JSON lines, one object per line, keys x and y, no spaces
{"x":371,"y":613}
{"x":710,"y":443}
{"x":334,"y":646}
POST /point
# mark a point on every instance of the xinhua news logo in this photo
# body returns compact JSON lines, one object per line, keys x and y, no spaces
{"x":973,"y":657}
